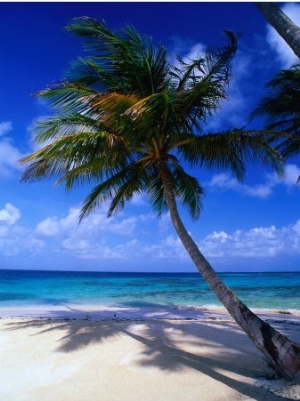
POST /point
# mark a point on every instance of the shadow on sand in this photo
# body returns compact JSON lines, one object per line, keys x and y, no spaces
{"x":162,"y":348}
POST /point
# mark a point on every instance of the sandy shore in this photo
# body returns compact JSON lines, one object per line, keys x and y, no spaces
{"x":71,"y":359}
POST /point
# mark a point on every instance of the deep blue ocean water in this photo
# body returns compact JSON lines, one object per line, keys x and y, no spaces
{"x":19,"y":288}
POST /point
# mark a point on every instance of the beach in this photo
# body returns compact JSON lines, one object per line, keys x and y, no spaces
{"x":82,"y":336}
{"x":94,"y":355}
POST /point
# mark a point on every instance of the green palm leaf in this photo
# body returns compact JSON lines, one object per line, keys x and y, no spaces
{"x":130,"y":58}
{"x":281,"y":107}
{"x":126,"y":121}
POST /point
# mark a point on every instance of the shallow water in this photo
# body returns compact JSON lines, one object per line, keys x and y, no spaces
{"x":18,"y":289}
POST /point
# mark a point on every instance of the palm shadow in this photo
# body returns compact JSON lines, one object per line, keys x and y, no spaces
{"x":164,"y":349}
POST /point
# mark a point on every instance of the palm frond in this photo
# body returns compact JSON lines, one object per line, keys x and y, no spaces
{"x":231,"y":150}
{"x":281,"y":104}
{"x":75,"y":158}
{"x":55,"y":127}
{"x":281,"y":108}
{"x":120,"y":187}
{"x":125,"y":121}
{"x":156,"y":194}
{"x":218,"y":60}
{"x":203,"y":82}
{"x":88,"y":72}
{"x":129,"y":57}
{"x":67,"y":96}
{"x":188,"y":191}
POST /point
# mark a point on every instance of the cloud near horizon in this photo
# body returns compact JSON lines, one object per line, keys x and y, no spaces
{"x":99,"y":238}
{"x":260,"y":242}
{"x":15,"y":239}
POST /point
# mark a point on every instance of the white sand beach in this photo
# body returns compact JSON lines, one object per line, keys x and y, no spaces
{"x":92,"y":359}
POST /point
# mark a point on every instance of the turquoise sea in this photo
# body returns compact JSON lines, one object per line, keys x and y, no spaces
{"x":19,"y":289}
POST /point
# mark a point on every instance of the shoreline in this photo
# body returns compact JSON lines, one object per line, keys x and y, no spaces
{"x":130,"y":312}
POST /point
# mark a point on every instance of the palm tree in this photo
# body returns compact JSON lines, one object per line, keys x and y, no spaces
{"x":281,"y":107}
{"x":128,"y":122}
{"x":286,"y":28}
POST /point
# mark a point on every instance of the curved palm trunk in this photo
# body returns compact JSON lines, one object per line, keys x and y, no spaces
{"x":280,"y":352}
{"x":282,"y":24}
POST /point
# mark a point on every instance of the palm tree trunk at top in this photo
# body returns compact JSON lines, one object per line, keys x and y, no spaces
{"x":285,"y":27}
{"x":280,"y":352}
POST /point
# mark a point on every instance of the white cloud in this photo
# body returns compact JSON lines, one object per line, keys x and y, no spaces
{"x":284,"y":53}
{"x":100,"y":249}
{"x":260,"y":242}
{"x":99,"y":238}
{"x":96,"y":222}
{"x":224,"y":181}
{"x":15,"y":239}
{"x":184,"y":49}
{"x":9,"y":215}
{"x":185,"y":52}
{"x":19,"y":241}
{"x":169,"y":248}
{"x":233,"y":109}
{"x":292,"y":173}
{"x":5,"y":127}
{"x":138,"y":200}
{"x":196,"y":51}
{"x":52,"y":226}
{"x":8,"y":153}
{"x":90,"y":239}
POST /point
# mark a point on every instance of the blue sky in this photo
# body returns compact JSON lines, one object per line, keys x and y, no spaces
{"x":248,"y":226}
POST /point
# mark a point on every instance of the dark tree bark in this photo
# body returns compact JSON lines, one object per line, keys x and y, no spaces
{"x":285,"y":27}
{"x":281,"y":353}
